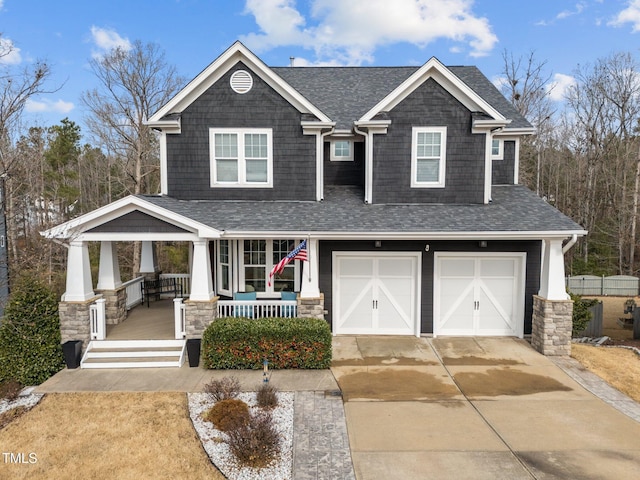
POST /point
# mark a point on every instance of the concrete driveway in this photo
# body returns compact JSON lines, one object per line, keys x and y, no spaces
{"x":475,"y":408}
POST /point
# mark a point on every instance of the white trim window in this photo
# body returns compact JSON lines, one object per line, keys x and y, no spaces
{"x":428,"y":157}
{"x":341,"y":151}
{"x":497,"y":148}
{"x":224,"y":267}
{"x":241,"y":157}
{"x":257,"y":258}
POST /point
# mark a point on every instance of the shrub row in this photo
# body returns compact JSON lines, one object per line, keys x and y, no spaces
{"x":242,"y":343}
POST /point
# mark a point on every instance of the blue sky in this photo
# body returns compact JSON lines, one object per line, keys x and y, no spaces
{"x":67,"y":33}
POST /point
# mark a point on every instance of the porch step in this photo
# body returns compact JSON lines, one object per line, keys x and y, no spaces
{"x":134,"y":354}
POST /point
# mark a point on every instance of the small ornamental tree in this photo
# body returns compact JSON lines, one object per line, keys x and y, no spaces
{"x":30,"y":350}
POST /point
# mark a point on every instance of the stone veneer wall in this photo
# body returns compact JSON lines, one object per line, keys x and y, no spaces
{"x":74,"y":321}
{"x":311,"y":307}
{"x":115,"y":305}
{"x":198,"y":316}
{"x":552,"y":325}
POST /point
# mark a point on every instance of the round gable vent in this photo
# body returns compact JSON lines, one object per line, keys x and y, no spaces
{"x":241,"y":81}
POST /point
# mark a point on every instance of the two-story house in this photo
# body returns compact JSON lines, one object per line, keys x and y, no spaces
{"x":402,"y":180}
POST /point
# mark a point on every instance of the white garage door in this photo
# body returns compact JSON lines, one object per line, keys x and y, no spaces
{"x":376,"y":294}
{"x":479,"y":295}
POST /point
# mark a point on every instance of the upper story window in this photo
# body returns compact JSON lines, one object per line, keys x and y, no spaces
{"x":428,"y":157}
{"x":496,"y":149}
{"x":341,"y":151}
{"x":241,"y":157}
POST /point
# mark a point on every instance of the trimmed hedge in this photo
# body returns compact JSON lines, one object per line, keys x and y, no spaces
{"x":242,"y":343}
{"x":30,"y":350}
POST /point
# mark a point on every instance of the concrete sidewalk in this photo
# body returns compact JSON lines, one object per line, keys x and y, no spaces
{"x":475,"y":408}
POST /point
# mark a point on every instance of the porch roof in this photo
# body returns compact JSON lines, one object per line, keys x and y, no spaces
{"x":514,"y":213}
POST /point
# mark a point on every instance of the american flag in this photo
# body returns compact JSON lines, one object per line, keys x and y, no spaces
{"x":298,"y":253}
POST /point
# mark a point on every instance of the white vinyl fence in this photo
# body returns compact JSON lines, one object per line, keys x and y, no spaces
{"x":620,"y":285}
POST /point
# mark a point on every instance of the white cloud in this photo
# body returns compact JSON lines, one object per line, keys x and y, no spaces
{"x":569,"y":13}
{"x":350,"y":32}
{"x":59,"y":106}
{"x":106,"y":40}
{"x":631,"y":14}
{"x":557,"y":88}
{"x":9,"y":53}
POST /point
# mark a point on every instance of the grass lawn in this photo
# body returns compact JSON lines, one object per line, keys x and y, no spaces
{"x":619,"y":367}
{"x":107,"y":435}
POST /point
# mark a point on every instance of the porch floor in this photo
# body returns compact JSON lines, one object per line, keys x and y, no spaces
{"x":142,"y":323}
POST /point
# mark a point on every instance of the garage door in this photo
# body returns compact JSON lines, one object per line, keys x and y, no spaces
{"x":376,"y":294}
{"x":479,"y":295}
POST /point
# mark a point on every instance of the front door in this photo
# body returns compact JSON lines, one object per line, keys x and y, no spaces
{"x":376,"y":293}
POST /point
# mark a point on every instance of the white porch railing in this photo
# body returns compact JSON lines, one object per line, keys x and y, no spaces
{"x":183,"y":279}
{"x":134,"y":292}
{"x":97,"y":319}
{"x":257,"y":308}
{"x":179,"y":318}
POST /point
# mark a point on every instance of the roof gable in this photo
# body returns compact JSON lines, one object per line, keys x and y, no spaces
{"x":119,"y":217}
{"x":234,"y":54}
{"x":450,"y":82}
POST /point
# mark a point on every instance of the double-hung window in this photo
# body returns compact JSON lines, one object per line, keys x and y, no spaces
{"x":224,"y":267}
{"x":241,"y":157}
{"x":428,"y":157}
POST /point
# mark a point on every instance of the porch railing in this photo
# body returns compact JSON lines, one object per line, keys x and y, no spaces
{"x":134,"y":292}
{"x":257,"y":308}
{"x":183,"y":279}
{"x":97,"y":319}
{"x":179,"y":318}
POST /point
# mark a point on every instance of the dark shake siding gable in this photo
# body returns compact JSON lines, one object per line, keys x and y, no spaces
{"x":429,"y":105}
{"x":294,"y":154}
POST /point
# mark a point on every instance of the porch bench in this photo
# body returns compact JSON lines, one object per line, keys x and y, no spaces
{"x":158,"y":287}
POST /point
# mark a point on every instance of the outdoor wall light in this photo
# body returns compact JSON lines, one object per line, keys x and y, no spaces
{"x":482,"y":244}
{"x":377,"y":243}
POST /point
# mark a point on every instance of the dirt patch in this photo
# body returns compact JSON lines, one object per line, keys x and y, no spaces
{"x":619,"y":367}
{"x":395,"y":385}
{"x":478,"y":361}
{"x":128,"y":436}
{"x":382,"y":361}
{"x":496,"y":382}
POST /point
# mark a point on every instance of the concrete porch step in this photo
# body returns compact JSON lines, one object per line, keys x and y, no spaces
{"x":134,"y":354}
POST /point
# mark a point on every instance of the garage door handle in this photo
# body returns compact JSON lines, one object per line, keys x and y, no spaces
{"x":476,"y":305}
{"x":375,"y":304}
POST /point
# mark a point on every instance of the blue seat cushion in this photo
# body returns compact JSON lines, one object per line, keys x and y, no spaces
{"x":244,"y":310}
{"x":288,"y":310}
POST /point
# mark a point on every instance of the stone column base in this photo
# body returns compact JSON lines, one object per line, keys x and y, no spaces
{"x":311,"y":307}
{"x":198,"y":316}
{"x":115,"y":305}
{"x":552,"y":325}
{"x":75,"y":322}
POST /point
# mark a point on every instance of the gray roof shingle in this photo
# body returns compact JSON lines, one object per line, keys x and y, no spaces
{"x":514,"y":209}
{"x":345,"y":94}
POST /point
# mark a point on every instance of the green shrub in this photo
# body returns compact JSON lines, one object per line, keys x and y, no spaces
{"x":581,"y":313}
{"x":30,"y":350}
{"x":227,"y":415}
{"x":240,"y":343}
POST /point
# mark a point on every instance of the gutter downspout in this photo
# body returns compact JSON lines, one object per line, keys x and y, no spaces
{"x":320,"y":169}
{"x":368,"y":170}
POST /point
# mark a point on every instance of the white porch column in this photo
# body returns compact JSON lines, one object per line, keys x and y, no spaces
{"x":79,"y":281}
{"x":310,"y":287}
{"x":109,"y":273}
{"x":552,"y":282}
{"x":201,"y":282}
{"x":148,"y":262}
